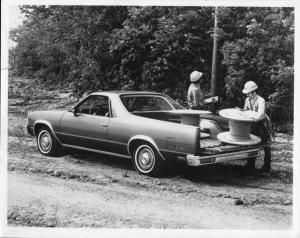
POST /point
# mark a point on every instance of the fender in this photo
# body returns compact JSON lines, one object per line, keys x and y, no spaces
{"x":48,"y":124}
{"x":144,"y":138}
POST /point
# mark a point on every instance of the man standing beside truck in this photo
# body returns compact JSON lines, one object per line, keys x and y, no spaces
{"x":260,"y":127}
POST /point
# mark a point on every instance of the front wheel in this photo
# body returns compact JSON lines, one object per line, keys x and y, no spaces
{"x":147,"y":161}
{"x":47,"y":143}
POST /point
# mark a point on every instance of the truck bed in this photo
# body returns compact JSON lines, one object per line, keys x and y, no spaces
{"x":215,"y":146}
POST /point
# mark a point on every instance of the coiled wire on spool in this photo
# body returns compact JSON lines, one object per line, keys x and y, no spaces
{"x":240,"y":130}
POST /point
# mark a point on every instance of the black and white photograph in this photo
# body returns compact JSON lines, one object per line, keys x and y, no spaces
{"x":159,"y":118}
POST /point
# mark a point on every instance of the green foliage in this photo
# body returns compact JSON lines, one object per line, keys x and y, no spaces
{"x":262,"y":52}
{"x":72,"y":44}
{"x":155,"y":48}
{"x":159,"y":47}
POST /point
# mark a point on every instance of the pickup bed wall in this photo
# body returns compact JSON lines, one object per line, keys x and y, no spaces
{"x":161,"y":115}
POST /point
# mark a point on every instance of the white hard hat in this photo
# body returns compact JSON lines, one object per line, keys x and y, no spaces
{"x":195,"y":76}
{"x":249,"y":87}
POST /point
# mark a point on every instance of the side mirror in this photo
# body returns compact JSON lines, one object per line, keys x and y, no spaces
{"x":75,"y":111}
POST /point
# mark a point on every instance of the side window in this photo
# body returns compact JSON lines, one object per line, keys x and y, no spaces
{"x":85,"y":106}
{"x":102,"y":106}
{"x":95,"y":105}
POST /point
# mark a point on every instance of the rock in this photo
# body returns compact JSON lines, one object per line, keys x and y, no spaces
{"x":50,"y":171}
{"x":142,"y":184}
{"x":101,"y":179}
{"x":124,"y":174}
{"x":50,"y":224}
{"x":56,"y":173}
{"x":282,"y":175}
{"x":71,"y":176}
{"x":12,"y":216}
{"x":238,"y":202}
{"x":84,"y":178}
{"x":114,"y":180}
{"x":255,"y":201}
{"x":190,"y":190}
{"x":31,"y":170}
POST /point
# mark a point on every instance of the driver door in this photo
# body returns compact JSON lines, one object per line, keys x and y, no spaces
{"x":87,"y":124}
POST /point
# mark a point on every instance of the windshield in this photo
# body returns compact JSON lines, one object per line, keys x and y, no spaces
{"x":146,"y":103}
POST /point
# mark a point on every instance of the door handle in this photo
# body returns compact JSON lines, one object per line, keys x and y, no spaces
{"x":104,"y":125}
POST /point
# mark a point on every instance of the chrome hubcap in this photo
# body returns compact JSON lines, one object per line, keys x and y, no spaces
{"x":146,"y":159}
{"x":45,"y":141}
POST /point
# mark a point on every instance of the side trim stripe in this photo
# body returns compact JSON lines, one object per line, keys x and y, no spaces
{"x":85,"y":137}
{"x":110,"y":153}
{"x":96,"y":151}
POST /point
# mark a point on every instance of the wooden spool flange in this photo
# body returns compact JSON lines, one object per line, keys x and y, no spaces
{"x":190,"y":117}
{"x":239,"y":127}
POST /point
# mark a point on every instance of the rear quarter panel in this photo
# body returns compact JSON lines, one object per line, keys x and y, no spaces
{"x":172,"y":139}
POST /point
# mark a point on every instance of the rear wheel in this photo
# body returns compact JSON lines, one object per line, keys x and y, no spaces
{"x":47,"y":143}
{"x":147,"y":161}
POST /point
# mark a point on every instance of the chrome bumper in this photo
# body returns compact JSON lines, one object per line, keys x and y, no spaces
{"x":196,"y":160}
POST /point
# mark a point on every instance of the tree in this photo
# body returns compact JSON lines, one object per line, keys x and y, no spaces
{"x":261,"y":50}
{"x":156,"y":48}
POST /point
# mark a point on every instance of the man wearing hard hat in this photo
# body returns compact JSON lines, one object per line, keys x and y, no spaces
{"x":260,"y":128}
{"x":195,"y":96}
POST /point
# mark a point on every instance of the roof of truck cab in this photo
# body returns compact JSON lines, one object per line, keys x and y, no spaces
{"x":125,"y":93}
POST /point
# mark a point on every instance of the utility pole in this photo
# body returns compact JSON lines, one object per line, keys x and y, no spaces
{"x":214,"y":63}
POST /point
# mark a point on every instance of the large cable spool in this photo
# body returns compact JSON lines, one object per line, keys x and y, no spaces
{"x":240,"y":122}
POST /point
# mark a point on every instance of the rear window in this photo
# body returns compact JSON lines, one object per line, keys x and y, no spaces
{"x":140,"y":103}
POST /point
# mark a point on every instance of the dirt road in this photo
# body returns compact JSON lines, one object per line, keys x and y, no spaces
{"x":82,"y":189}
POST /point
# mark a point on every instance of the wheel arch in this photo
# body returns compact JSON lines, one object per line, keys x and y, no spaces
{"x":138,"y":139}
{"x":40,"y":123}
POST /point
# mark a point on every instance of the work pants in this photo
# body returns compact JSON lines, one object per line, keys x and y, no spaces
{"x":262,"y":130}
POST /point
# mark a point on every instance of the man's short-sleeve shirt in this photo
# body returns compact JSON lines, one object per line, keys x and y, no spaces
{"x":257,"y":104}
{"x":195,"y":96}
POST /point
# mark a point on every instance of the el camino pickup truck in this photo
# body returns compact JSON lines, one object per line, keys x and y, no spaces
{"x":149,"y":128}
